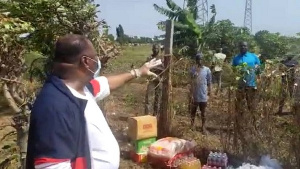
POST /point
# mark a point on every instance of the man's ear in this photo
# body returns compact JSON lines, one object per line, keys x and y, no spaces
{"x":84,"y":61}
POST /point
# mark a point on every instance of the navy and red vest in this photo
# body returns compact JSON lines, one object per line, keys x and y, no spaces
{"x":57,"y":131}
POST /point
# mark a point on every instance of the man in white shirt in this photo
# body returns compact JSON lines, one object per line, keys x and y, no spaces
{"x":217,"y":68}
{"x":67,"y":128}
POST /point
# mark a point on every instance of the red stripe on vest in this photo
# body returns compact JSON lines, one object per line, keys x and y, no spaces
{"x":96,"y":86}
{"x":39,"y":161}
{"x":79,"y":163}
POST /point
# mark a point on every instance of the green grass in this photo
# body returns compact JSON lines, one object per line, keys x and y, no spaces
{"x":135,"y":55}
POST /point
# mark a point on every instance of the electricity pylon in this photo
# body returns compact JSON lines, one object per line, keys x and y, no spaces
{"x":203,"y":11}
{"x":248,"y":15}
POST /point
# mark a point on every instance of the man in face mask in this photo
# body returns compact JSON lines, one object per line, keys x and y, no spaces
{"x":67,"y":128}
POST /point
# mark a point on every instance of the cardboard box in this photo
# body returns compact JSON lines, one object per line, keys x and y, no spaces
{"x":138,"y":158}
{"x":142,"y":127}
{"x":142,"y":146}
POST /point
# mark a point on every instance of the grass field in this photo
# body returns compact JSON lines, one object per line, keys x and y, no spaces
{"x":130,"y":55}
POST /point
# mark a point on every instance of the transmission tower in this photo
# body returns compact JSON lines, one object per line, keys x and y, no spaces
{"x":248,"y":15}
{"x":203,"y":11}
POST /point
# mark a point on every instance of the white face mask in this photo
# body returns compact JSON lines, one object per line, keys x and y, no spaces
{"x":97,"y":72}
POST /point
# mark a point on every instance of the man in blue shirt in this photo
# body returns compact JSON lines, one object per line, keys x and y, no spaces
{"x":249,"y":63}
{"x":200,"y":90}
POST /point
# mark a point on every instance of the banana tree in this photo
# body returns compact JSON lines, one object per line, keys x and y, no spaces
{"x":188,"y":34}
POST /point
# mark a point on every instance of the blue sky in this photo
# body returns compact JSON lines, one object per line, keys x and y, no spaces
{"x":138,"y":17}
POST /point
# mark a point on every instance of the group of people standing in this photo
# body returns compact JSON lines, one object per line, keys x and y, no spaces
{"x":202,"y":78}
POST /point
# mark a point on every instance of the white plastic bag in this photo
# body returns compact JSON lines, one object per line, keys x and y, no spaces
{"x":268,"y":162}
{"x":167,"y":148}
{"x":265,"y":163}
{"x":249,"y":166}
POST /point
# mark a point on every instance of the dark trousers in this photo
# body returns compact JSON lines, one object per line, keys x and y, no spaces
{"x":217,"y":78}
{"x":193,"y":109}
{"x":153,"y":97}
{"x":248,"y":94}
{"x":286,"y":91}
{"x":246,"y":98}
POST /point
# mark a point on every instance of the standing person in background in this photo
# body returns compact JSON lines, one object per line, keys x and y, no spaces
{"x":247,"y":84}
{"x":154,"y":86}
{"x":217,"y":68}
{"x":289,"y":66}
{"x":264,"y":77}
{"x":200,"y":90}
{"x":162,"y":49}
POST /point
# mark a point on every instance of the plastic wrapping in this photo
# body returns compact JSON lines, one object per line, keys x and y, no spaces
{"x":169,"y":147}
{"x":267,"y":161}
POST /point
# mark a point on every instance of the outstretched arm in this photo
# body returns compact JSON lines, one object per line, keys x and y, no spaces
{"x":101,"y":86}
{"x":117,"y":81}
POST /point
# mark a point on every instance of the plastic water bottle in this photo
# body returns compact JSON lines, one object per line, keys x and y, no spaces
{"x":209,"y":159}
{"x":219,"y":160}
{"x":225,"y":160}
{"x":215,"y":160}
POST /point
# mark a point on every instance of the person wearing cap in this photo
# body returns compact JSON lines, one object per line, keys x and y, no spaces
{"x":154,"y":86}
{"x":288,"y":79}
{"x":200,"y":90}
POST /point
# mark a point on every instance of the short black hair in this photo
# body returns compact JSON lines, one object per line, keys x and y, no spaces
{"x":199,"y":56}
{"x":155,"y":45}
{"x":243,"y":42}
{"x":69,"y":47}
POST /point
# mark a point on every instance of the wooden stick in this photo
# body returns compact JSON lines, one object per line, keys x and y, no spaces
{"x":10,"y":80}
{"x":165,"y":113}
{"x":15,"y":95}
{"x":10,"y":100}
{"x":8,"y":134}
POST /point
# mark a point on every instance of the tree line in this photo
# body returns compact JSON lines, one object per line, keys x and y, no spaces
{"x":191,"y":37}
{"x":123,"y":38}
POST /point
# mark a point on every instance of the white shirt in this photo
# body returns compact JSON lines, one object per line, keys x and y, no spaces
{"x":218,"y":59}
{"x":104,"y":148}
